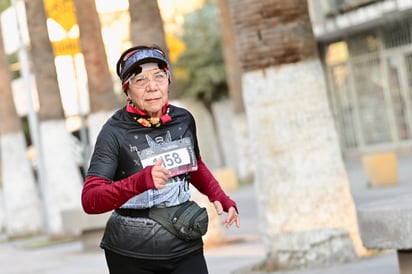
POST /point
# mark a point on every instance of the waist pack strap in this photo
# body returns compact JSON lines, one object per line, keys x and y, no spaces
{"x":134,"y":213}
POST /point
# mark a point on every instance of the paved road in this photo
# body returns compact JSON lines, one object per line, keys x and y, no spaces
{"x":244,"y":247}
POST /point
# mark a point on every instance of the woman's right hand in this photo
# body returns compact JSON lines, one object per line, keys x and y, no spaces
{"x":160,"y":175}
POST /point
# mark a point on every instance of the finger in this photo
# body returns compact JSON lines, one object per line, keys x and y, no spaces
{"x":160,"y":181}
{"x":159,"y":162}
{"x":232,"y":217}
{"x":157,"y":167}
{"x":160,"y":175}
{"x":237,"y":221}
{"x":218,"y":207}
{"x":228,"y":221}
{"x":232,"y":220}
{"x":161,"y":172}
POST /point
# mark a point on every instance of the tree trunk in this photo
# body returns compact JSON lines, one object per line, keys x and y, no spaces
{"x":62,"y":178}
{"x":146,"y":24}
{"x":103,"y":100}
{"x":146,"y":28}
{"x":307,"y":214}
{"x":233,"y":72}
{"x":21,"y":214}
{"x":100,"y":82}
{"x":243,"y":164}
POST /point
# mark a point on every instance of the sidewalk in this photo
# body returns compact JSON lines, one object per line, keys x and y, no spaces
{"x":244,"y":247}
{"x":386,"y":263}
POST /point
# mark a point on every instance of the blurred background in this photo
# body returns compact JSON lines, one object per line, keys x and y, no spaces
{"x":59,"y":85}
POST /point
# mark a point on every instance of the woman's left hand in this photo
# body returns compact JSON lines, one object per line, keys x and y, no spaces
{"x":232,"y":216}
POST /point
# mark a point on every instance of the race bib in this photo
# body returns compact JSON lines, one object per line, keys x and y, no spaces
{"x":178,"y":156}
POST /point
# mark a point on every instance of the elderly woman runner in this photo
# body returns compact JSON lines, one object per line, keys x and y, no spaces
{"x":146,"y":156}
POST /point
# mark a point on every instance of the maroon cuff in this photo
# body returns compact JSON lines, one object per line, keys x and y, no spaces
{"x":101,"y":195}
{"x":207,"y":184}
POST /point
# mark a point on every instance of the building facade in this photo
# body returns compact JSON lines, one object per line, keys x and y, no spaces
{"x":366,"y":49}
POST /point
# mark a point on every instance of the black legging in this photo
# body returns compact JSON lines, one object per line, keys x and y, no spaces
{"x":188,"y":264}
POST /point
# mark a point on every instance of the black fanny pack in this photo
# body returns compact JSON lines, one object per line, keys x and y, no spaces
{"x":187,"y":221}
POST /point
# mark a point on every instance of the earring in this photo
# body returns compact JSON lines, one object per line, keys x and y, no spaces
{"x":130,"y":102}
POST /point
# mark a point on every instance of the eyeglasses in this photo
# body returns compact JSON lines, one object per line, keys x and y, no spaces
{"x":141,"y":81}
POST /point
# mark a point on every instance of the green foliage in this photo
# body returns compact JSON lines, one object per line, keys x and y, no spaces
{"x":200,"y":68}
{"x":14,"y":65}
{"x":4,"y":4}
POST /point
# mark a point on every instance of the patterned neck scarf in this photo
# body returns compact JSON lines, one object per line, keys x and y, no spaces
{"x":143,"y":119}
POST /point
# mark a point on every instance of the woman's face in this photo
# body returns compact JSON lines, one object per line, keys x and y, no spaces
{"x":149,"y":91}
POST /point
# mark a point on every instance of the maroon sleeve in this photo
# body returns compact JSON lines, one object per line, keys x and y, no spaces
{"x":100,"y":195}
{"x":207,"y":184}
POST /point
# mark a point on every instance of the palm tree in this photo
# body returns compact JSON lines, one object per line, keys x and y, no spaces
{"x":63,"y":180}
{"x":146,"y":28}
{"x":100,"y":83}
{"x":103,"y":100}
{"x":307,"y":214}
{"x":146,"y":24}
{"x":233,"y":73}
{"x":22,"y":209}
